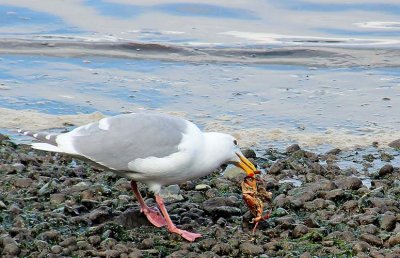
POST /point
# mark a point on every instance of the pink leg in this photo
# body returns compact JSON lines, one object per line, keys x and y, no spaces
{"x":152,"y":214}
{"x":170,"y":225}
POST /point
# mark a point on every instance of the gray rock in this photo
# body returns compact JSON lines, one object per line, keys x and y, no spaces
{"x":352,"y":183}
{"x":281,"y":201}
{"x":57,"y":198}
{"x":369,"y":229}
{"x":361,"y":247}
{"x":135,"y":253}
{"x":299,"y":231}
{"x":276,"y":168}
{"x":3,"y":205}
{"x":233,"y":173}
{"x":250,"y":249}
{"x":94,"y":240}
{"x":334,"y":151}
{"x":202,"y":187}
{"x":394,"y":240}
{"x":293,"y":148}
{"x":68,"y":242}
{"x":11,"y":249}
{"x":335,"y":194}
{"x":56,"y":249}
{"x":249,"y":153}
{"x":395,"y":144}
{"x":147,"y":243}
{"x":23,"y":182}
{"x":100,"y":215}
{"x":388,"y":221}
{"x":366,"y":219}
{"x":132,"y":218}
{"x":386,"y":170}
{"x":18,"y":167}
{"x":222,"y":206}
{"x":171,"y":193}
{"x":371,"y":239}
{"x":48,"y":188}
{"x":286,"y":222}
{"x":222,"y":249}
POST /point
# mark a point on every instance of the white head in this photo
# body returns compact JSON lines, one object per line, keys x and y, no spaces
{"x":225,"y":149}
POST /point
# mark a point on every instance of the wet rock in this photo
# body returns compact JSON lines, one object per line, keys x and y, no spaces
{"x":57,"y":198}
{"x":350,"y":205}
{"x":56,"y":249}
{"x":17,"y":167}
{"x":386,"y":170}
{"x":395,"y":144}
{"x":222,"y":249}
{"x":132,"y":218}
{"x":23,"y":182}
{"x":299,"y":231}
{"x":232,"y":173}
{"x":135,"y":253}
{"x":361,"y":247}
{"x":281,"y":201}
{"x":100,"y":215}
{"x":352,"y":183}
{"x":276,"y":168}
{"x":366,"y":219}
{"x":336,"y":194}
{"x":3,"y":205}
{"x":48,"y":188}
{"x":388,"y":221}
{"x":369,"y":229}
{"x":147,"y":243}
{"x":249,"y":153}
{"x":292,"y":148}
{"x":316,"y":204}
{"x":250,"y":249}
{"x":394,"y":240}
{"x":202,"y":187}
{"x":222,"y":206}
{"x":11,"y":249}
{"x":334,"y":151}
{"x":94,"y":240}
{"x":371,"y":239}
{"x":286,"y":222}
{"x":171,"y":194}
{"x":68,"y":242}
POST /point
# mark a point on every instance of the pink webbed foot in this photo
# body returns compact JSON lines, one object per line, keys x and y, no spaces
{"x":154,"y":216}
{"x":189,"y":236}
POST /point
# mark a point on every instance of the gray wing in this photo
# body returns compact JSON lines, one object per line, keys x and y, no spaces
{"x":115,"y":141}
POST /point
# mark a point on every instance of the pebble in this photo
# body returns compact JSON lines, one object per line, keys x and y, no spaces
{"x":147,"y":243}
{"x":11,"y":249}
{"x":394,"y":240}
{"x":171,"y":193}
{"x":202,"y":187}
{"x":352,"y":183}
{"x":386,"y":170}
{"x":23,"y":182}
{"x":395,"y":144}
{"x":299,"y":231}
{"x":371,"y":239}
{"x":361,"y":247}
{"x":56,"y":249}
{"x":57,"y":198}
{"x":250,"y":249}
{"x":388,"y":221}
{"x":233,"y":173}
{"x":100,"y":215}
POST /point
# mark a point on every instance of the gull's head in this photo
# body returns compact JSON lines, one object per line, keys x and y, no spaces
{"x":226,"y":147}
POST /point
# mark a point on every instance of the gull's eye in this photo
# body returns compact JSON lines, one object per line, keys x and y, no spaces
{"x":235,"y":142}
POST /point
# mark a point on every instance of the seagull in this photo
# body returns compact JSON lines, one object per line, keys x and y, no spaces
{"x":150,"y":148}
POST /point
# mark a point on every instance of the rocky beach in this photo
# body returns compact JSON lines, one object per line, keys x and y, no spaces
{"x":52,"y":205}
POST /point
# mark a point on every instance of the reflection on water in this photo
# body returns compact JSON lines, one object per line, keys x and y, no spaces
{"x":315,"y":72}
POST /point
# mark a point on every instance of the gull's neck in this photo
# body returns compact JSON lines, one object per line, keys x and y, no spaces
{"x":212,"y":155}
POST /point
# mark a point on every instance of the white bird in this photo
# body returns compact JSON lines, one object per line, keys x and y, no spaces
{"x":154,"y":149}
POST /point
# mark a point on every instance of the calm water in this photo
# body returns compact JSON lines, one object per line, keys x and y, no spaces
{"x":320,"y":73}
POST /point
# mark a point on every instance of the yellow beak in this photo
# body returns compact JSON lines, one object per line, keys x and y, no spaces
{"x":246,"y":165}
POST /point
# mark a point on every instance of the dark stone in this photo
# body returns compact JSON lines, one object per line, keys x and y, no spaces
{"x":286,"y":222}
{"x":250,"y":249}
{"x":386,"y":170}
{"x":334,"y":151}
{"x":281,"y":201}
{"x":100,"y":215}
{"x":299,"y":231}
{"x":394,"y":240}
{"x":370,"y":229}
{"x":222,"y":249}
{"x":388,"y":221}
{"x":222,"y":206}
{"x":361,"y":247}
{"x":23,"y":182}
{"x":277,"y":167}
{"x":371,"y":239}
{"x":249,"y":153}
{"x":395,"y":144}
{"x":11,"y":249}
{"x":293,"y":148}
{"x":352,"y":183}
{"x":336,"y":194}
{"x":132,"y":218}
{"x":147,"y":243}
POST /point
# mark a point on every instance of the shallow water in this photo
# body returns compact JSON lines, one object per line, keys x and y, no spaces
{"x":315,"y":72}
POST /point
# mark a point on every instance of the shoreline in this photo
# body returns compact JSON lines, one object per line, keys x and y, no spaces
{"x":54,"y":205}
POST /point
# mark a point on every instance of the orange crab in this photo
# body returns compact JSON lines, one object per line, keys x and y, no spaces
{"x":254,"y":197}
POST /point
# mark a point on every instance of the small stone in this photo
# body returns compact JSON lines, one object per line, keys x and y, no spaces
{"x":68,"y":242}
{"x":56,"y":249}
{"x":388,"y":221}
{"x":18,"y":167}
{"x":250,"y":249}
{"x":147,"y":243}
{"x":249,"y":153}
{"x":277,"y":167}
{"x":395,"y":144}
{"x":394,"y":240}
{"x":293,"y":148}
{"x":171,"y":193}
{"x":286,"y":222}
{"x":386,"y":170}
{"x":202,"y":187}
{"x":11,"y":249}
{"x":334,"y":151}
{"x":370,"y":229}
{"x":299,"y":231}
{"x":233,"y":173}
{"x":371,"y":239}
{"x":361,"y":247}
{"x":222,"y":249}
{"x":57,"y":198}
{"x":94,"y":240}
{"x":135,"y":253}
{"x":100,"y":215}
{"x":352,"y":183}
{"x":23,"y":182}
{"x":335,"y":194}
{"x":48,"y":188}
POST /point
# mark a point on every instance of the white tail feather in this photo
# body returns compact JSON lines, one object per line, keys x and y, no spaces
{"x":45,"y":147}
